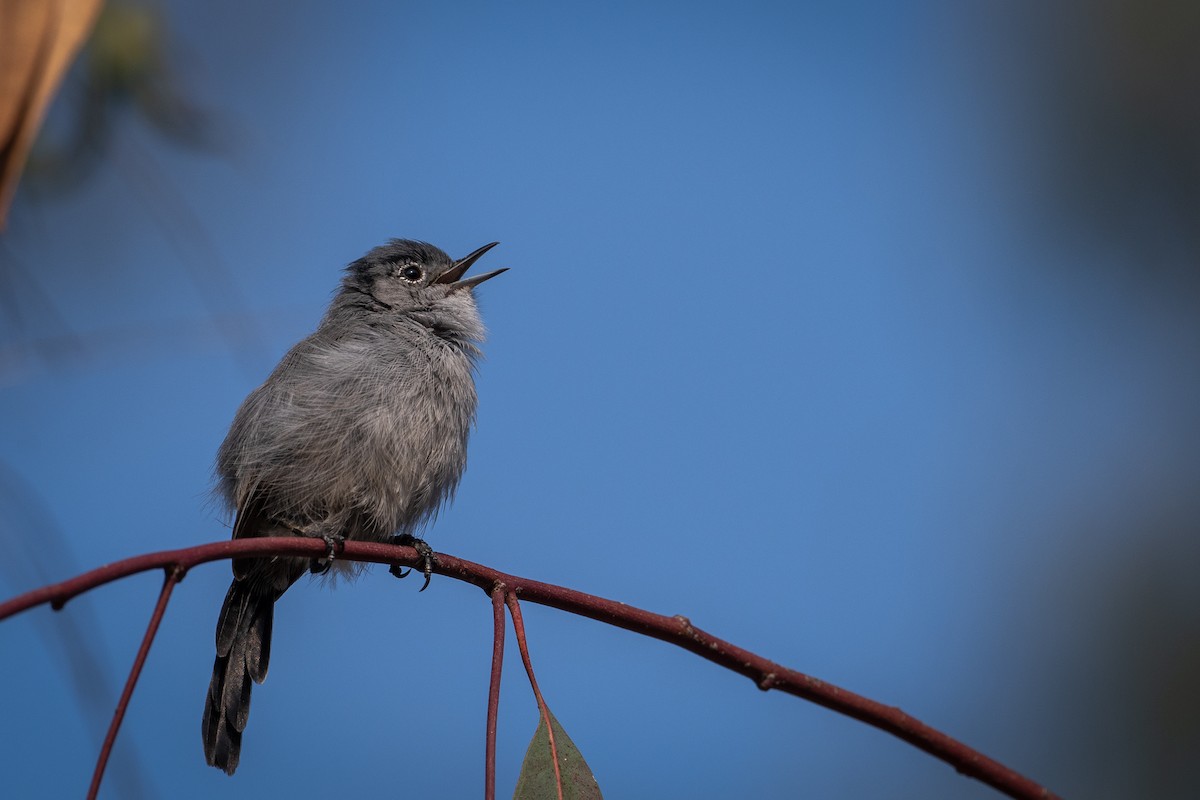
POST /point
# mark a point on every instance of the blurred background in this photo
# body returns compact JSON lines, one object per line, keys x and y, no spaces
{"x":866,"y":336}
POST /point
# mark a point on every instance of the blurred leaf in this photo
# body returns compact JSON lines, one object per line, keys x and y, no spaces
{"x":38,"y":41}
{"x":128,"y":69}
{"x":537,"y":780}
{"x":125,"y":47}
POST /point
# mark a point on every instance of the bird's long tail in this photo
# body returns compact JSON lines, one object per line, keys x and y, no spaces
{"x":243,"y":652}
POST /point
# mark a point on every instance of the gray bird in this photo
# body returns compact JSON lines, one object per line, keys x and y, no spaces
{"x":359,"y":433}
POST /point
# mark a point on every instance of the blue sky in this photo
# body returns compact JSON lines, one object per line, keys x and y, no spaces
{"x":783,"y":348}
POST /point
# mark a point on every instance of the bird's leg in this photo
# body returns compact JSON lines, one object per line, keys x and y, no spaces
{"x":333,"y":543}
{"x":428,"y":557}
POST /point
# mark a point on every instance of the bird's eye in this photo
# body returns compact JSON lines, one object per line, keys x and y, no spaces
{"x":411,"y":273}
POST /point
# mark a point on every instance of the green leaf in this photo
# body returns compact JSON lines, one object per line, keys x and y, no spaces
{"x":537,"y":781}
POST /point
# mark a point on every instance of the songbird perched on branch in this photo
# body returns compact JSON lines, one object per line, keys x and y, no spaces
{"x":359,"y":433}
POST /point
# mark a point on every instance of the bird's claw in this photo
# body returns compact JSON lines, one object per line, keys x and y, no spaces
{"x":428,"y":558}
{"x":333,"y":543}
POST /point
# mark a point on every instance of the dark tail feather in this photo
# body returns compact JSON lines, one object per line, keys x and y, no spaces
{"x":243,"y":653}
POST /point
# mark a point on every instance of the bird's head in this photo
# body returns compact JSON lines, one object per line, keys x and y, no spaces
{"x":405,"y":275}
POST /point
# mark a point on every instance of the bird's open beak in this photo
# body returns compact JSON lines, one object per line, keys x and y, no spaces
{"x":452,"y":275}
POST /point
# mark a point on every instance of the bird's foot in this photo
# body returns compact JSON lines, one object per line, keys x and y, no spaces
{"x":333,"y":543}
{"x":428,"y":557}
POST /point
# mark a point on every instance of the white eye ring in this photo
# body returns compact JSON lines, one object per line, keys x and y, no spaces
{"x":411,"y":273}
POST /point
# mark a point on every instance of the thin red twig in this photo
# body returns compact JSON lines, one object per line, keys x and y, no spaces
{"x":489,"y":762}
{"x":172,"y":577}
{"x":514,"y":609}
{"x":677,"y":630}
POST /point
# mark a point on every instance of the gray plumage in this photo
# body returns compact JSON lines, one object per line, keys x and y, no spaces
{"x":360,"y":432}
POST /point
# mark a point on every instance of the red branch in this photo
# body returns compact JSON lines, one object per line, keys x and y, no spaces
{"x":489,"y":760}
{"x":514,"y":608}
{"x":172,"y":577}
{"x":677,"y":630}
